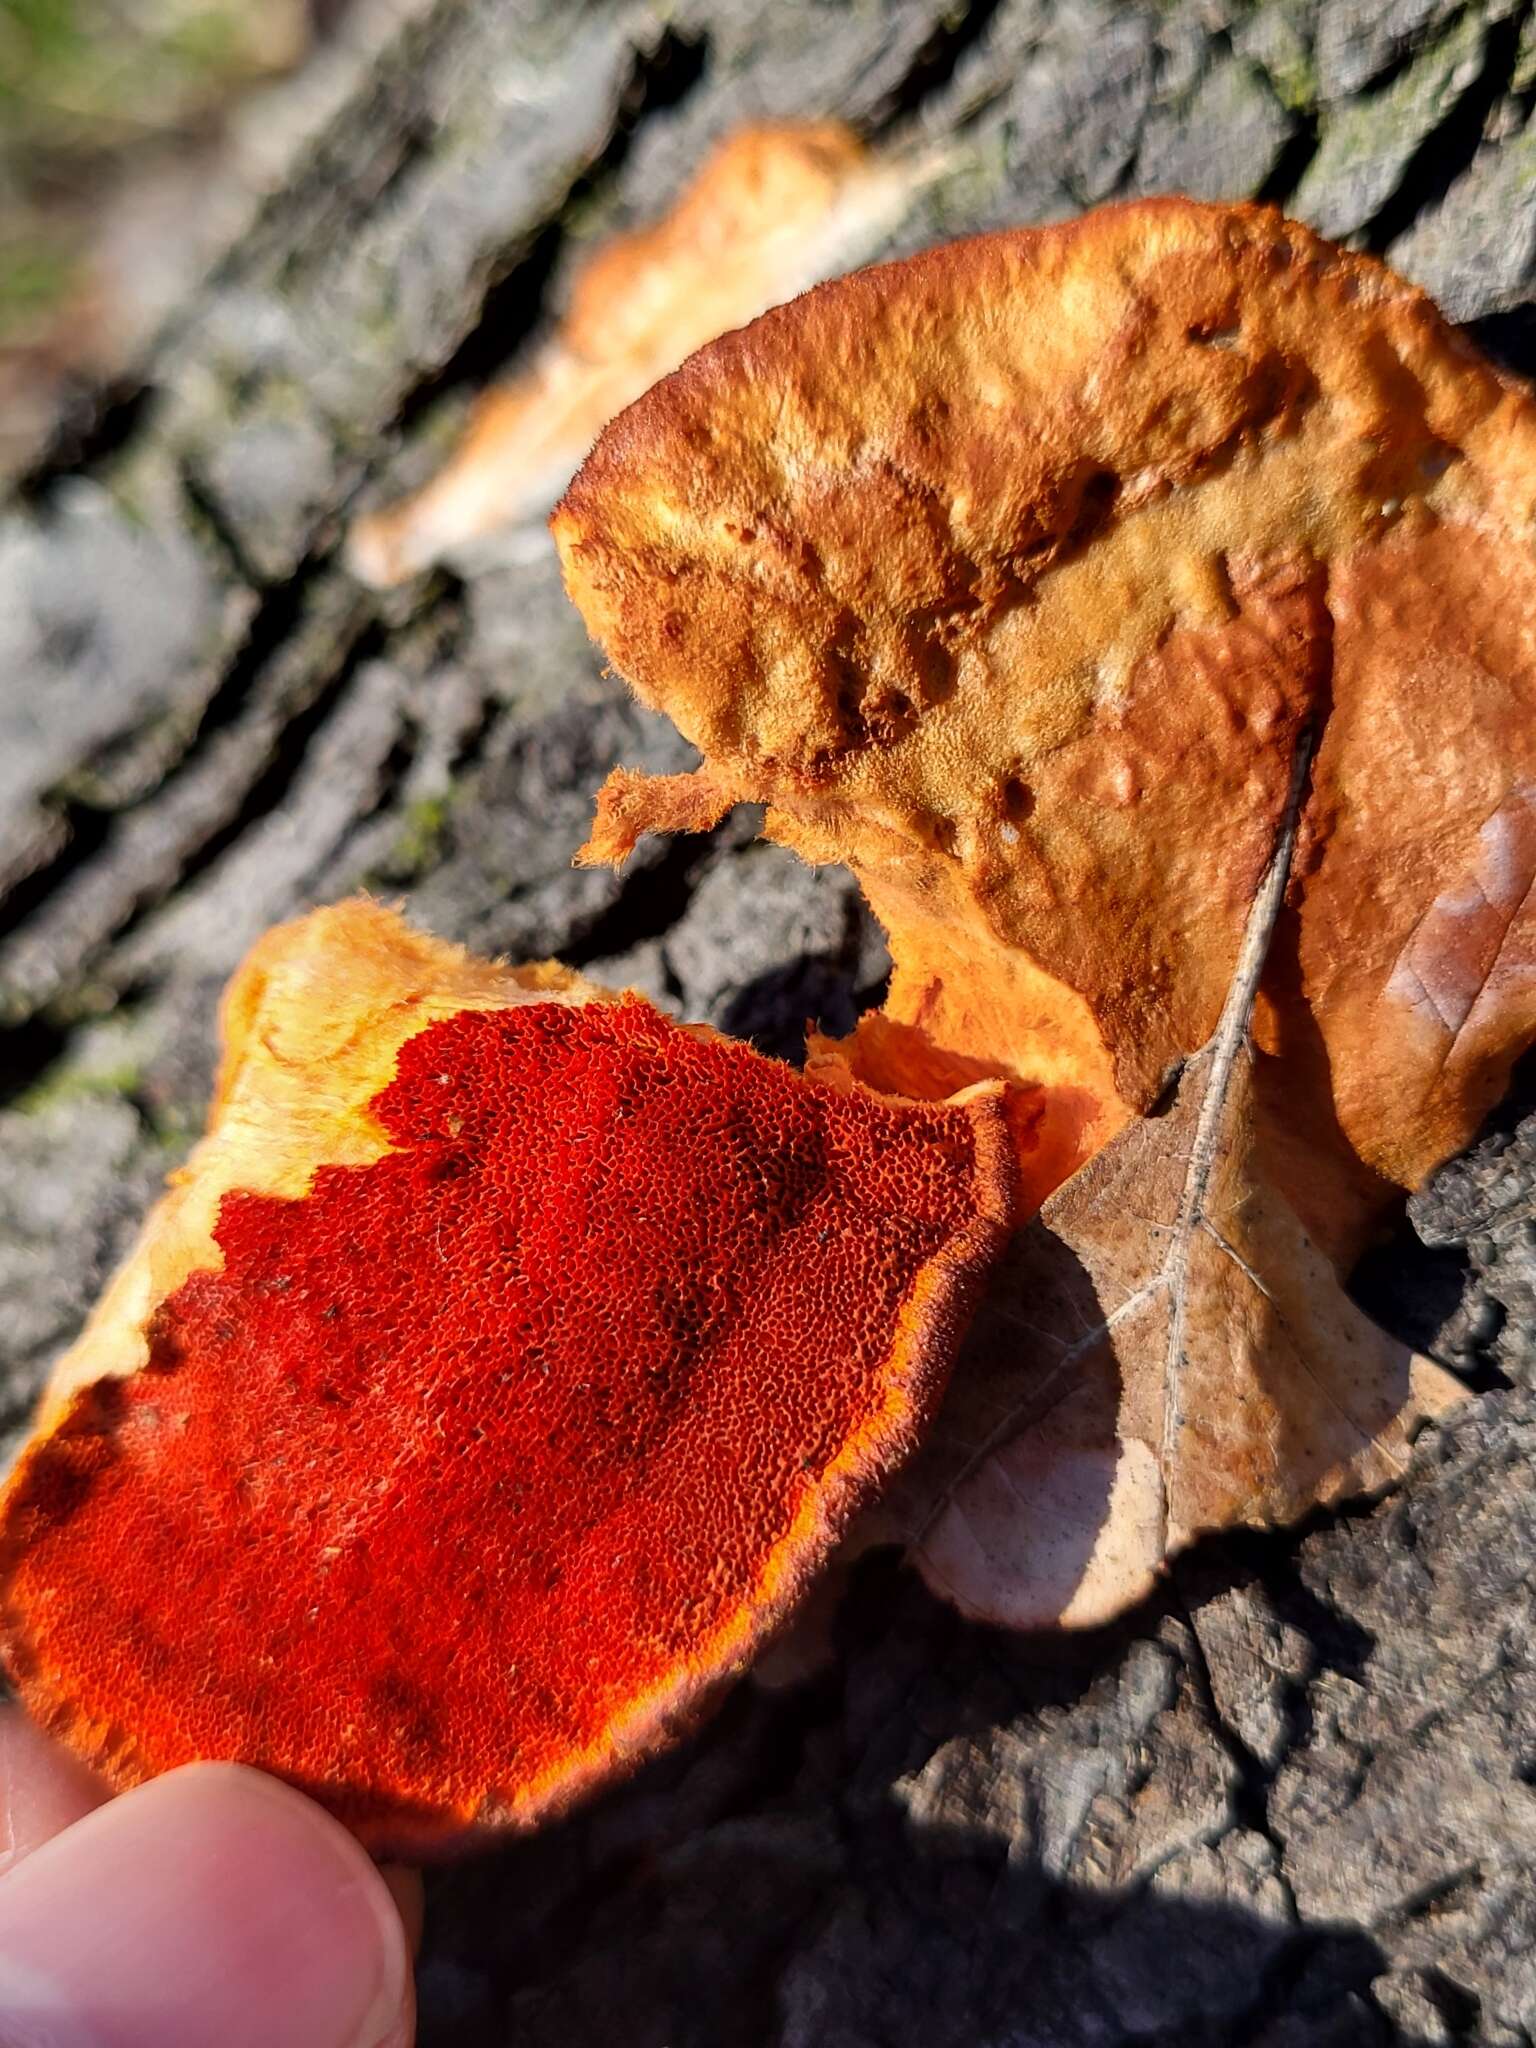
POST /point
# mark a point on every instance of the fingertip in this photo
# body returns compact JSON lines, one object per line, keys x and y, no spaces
{"x":213,"y":1904}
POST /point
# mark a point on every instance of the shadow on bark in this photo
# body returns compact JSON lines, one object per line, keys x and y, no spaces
{"x":945,"y":1840}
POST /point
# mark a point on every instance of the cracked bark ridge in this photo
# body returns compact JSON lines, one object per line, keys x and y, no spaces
{"x":1289,"y":1805}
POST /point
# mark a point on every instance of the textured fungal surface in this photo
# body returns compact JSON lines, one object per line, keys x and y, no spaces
{"x":1010,"y":574}
{"x":450,"y":1482}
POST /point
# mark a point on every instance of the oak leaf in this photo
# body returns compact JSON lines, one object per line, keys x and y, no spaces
{"x":774,"y":206}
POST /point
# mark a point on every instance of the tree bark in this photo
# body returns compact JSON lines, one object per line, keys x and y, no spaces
{"x":1290,"y":1803}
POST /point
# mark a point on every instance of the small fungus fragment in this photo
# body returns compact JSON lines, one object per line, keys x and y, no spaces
{"x":500,"y":1368}
{"x":774,"y":206}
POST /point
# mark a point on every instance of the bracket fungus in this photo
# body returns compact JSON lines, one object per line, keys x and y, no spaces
{"x":1017,"y":575}
{"x":484,"y":1391}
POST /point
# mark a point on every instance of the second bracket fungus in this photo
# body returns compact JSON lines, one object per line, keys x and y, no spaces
{"x":1026,"y":576}
{"x":1009,"y":575}
{"x":504,"y":1362}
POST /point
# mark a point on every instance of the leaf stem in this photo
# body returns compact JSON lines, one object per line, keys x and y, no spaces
{"x":1227,"y":1044}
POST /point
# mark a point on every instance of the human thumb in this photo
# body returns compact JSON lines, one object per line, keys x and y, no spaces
{"x":211,"y":1905}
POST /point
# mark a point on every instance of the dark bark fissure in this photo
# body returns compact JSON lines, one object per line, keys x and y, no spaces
{"x":1293,"y":162}
{"x":87,"y":829}
{"x":90,"y":826}
{"x":1447,"y":151}
{"x":649,"y":904}
{"x":99,"y":424}
{"x":954,"y":36}
{"x":516,"y":297}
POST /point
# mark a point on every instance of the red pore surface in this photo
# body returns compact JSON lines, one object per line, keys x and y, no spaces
{"x":476,"y":1464}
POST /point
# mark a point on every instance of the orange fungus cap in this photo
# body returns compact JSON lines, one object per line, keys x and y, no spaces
{"x":1010,"y":574}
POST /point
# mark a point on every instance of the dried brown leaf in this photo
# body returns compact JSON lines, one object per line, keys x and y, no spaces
{"x":1165,"y":1353}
